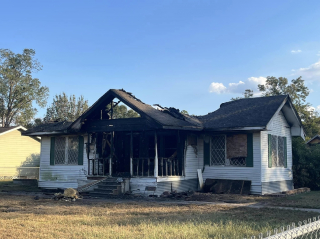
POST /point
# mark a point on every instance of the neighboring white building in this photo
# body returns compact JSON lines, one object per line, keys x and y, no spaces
{"x":162,"y":150}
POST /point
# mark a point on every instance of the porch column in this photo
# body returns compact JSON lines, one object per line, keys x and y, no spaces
{"x":156,"y":155}
{"x":111,"y":154}
{"x":131,"y":154}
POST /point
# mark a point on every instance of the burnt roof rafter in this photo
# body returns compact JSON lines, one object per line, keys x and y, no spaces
{"x":158,"y":117}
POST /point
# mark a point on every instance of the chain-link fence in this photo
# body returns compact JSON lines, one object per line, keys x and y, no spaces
{"x":307,"y":229}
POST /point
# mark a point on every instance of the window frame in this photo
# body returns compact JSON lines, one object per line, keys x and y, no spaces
{"x":66,"y":153}
{"x":284,"y":156}
{"x":226,"y":160}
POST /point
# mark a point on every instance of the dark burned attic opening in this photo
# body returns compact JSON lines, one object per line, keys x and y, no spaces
{"x":134,"y":154}
{"x":113,"y":109}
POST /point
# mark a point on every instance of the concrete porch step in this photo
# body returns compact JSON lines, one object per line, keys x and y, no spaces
{"x":109,"y":186}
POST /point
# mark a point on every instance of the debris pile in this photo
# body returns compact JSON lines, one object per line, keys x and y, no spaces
{"x":69,"y":194}
{"x":176,"y":195}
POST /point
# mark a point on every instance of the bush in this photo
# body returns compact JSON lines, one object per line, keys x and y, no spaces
{"x":306,"y":164}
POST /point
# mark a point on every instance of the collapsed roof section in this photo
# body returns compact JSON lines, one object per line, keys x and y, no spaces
{"x":96,"y":118}
{"x":244,"y":114}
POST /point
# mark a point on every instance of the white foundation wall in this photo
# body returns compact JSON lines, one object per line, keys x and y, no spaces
{"x":252,"y":174}
{"x":59,"y":176}
{"x":280,"y":127}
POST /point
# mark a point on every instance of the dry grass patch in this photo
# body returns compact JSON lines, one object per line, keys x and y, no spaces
{"x":303,"y":200}
{"x":23,"y":217}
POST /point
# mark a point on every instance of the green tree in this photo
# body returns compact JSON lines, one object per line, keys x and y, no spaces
{"x":247,"y":94}
{"x":19,"y":91}
{"x":306,"y":164}
{"x":34,"y":123}
{"x":66,"y":108}
{"x":184,"y":112}
{"x":121,"y":111}
{"x":298,"y":93}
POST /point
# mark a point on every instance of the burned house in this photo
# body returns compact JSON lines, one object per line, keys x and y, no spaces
{"x":161,"y":149}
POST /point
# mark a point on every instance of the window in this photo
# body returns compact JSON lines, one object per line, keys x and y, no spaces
{"x":66,"y":150}
{"x":231,"y":150}
{"x":218,"y":150}
{"x":277,"y":151}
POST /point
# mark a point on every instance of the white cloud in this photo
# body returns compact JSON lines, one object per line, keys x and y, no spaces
{"x":218,"y":88}
{"x":238,"y":88}
{"x":257,"y":80}
{"x":236,"y":84}
{"x":318,"y":108}
{"x":296,"y":51}
{"x":311,"y":108}
{"x":309,"y":73}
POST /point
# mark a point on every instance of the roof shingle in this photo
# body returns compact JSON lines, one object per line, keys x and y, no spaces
{"x":249,"y":112}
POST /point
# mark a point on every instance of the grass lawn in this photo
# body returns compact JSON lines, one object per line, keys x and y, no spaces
{"x":9,"y":186}
{"x":24,"y":217}
{"x":303,"y":200}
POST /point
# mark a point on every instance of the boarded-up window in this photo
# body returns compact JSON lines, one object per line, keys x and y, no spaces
{"x":231,"y":150}
{"x":237,"y":146}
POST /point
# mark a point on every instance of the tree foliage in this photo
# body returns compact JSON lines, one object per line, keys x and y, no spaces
{"x":66,"y":108}
{"x":36,"y":122}
{"x":247,"y":94}
{"x":18,"y":89}
{"x":298,"y":93}
{"x":184,"y":112}
{"x":121,"y":111}
{"x":306,"y":164}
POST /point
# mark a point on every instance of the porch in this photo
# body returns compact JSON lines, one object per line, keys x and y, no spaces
{"x":136,"y":154}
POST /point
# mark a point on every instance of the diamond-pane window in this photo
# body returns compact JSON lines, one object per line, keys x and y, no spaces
{"x":240,"y":161}
{"x":281,"y":157}
{"x":66,"y":150}
{"x":274,"y":150}
{"x":218,"y":150}
{"x":278,"y":151}
{"x":60,"y":150}
{"x":73,"y":150}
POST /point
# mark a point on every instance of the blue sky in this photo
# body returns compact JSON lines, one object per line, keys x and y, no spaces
{"x":191,"y":55}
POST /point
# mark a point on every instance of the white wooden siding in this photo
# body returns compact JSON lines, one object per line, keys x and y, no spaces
{"x":193,"y":159}
{"x":277,"y":126}
{"x":252,"y":174}
{"x":60,"y":176}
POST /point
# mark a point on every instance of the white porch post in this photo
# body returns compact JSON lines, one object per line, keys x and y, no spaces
{"x":156,"y":155}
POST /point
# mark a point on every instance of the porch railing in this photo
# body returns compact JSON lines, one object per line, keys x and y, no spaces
{"x":169,"y":167}
{"x":143,"y":167}
{"x":98,"y":167}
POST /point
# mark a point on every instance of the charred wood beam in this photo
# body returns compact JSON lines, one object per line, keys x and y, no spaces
{"x":135,"y":124}
{"x":131,"y":154}
{"x":156,"y":166}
